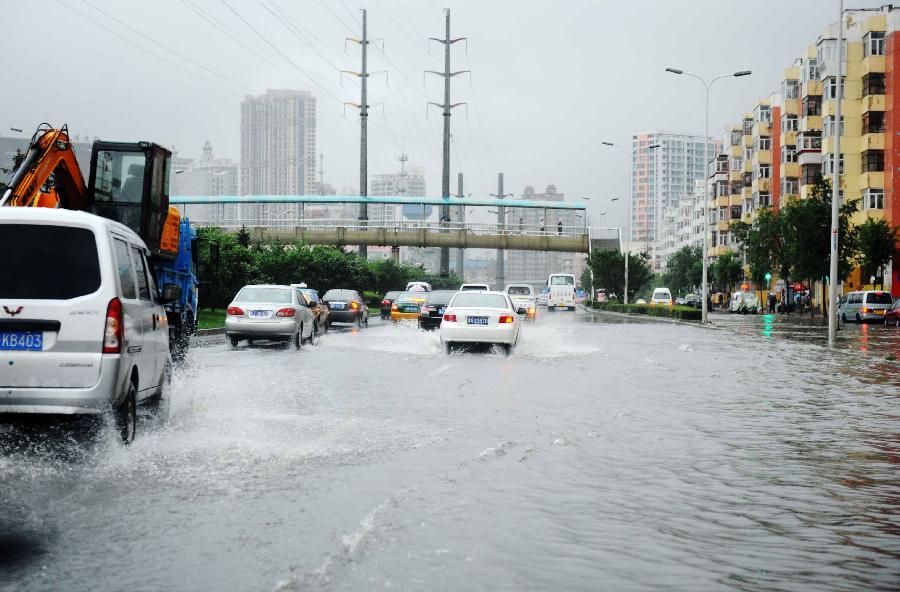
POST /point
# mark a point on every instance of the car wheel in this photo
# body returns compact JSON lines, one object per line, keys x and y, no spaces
{"x":447,"y":347}
{"x":843,"y":317}
{"x":858,"y":320}
{"x":126,"y":415}
{"x":233,"y":341}
{"x":298,"y":338}
{"x":367,"y":320}
{"x":314,"y":334}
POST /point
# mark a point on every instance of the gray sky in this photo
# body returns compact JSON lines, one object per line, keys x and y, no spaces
{"x":550,"y":80}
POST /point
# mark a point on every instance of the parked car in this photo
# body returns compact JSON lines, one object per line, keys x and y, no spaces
{"x":542,"y":297}
{"x":82,"y":328}
{"x":522,"y":296}
{"x":271,"y":312}
{"x":600,"y":295}
{"x":892,"y":317}
{"x":661,"y":297}
{"x":321,"y":314}
{"x":692,"y":300}
{"x":480,"y":317}
{"x":866,"y":305}
{"x":407,"y":306}
{"x":474,"y":287}
{"x":432,"y":311}
{"x":386,"y":303}
{"x":347,"y":306}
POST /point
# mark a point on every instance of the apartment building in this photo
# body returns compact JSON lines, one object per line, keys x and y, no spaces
{"x":787,"y":142}
{"x":206,"y":175}
{"x":278,"y":149}
{"x":683,"y":225}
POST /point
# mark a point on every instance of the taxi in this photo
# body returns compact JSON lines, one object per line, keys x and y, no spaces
{"x":408,"y":305}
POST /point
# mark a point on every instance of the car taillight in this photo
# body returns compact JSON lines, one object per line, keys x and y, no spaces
{"x":113,"y":334}
{"x":285,"y":312}
{"x":865,"y":310}
{"x":385,"y":303}
{"x":450,"y":317}
{"x":354,"y":305}
{"x":506,"y":319}
{"x":235,"y":311}
{"x":394,"y":306}
{"x":531,"y":310}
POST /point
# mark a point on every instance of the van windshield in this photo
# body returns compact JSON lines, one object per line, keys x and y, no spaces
{"x":879,"y":298}
{"x":48,"y":262}
{"x":562,"y":280}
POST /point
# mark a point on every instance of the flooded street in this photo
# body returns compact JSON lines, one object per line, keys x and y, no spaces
{"x":601,"y":455}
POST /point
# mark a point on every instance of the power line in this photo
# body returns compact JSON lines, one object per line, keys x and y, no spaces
{"x":327,"y":8}
{"x":169,"y":49}
{"x":350,"y":12}
{"x":279,"y":52}
{"x":295,"y":29}
{"x":240,"y":39}
{"x":144,"y":49}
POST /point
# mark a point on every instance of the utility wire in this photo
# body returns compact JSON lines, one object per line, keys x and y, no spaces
{"x":350,"y":12}
{"x":145,"y":50}
{"x":286,"y":21}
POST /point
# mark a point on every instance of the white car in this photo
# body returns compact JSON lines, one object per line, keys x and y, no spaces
{"x":82,"y":326}
{"x":474,"y":288}
{"x":661,"y":297}
{"x":522,"y":296}
{"x":480,"y":317}
{"x":271,"y":312}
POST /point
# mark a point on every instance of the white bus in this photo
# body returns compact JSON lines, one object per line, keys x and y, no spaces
{"x":562,"y":291}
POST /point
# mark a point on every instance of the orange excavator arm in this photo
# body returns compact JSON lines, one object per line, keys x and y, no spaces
{"x":50,"y":154}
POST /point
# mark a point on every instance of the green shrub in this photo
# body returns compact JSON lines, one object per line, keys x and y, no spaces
{"x":373,"y":299}
{"x":684,"y":313}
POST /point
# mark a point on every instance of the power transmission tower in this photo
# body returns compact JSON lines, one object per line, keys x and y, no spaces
{"x":446,"y":106}
{"x":501,"y":222}
{"x":461,"y":216}
{"x":363,"y":107}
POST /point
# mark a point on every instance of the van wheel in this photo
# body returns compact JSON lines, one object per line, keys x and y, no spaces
{"x":843,"y":317}
{"x":126,"y":415}
{"x":858,"y":320}
{"x":160,"y":403}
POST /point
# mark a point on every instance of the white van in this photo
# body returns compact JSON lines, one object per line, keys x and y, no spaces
{"x":561,"y":292}
{"x":868,"y":305}
{"x":661,"y":297}
{"x":82,"y":326}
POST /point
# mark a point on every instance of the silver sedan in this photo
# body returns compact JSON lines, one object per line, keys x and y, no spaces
{"x":272,"y":312}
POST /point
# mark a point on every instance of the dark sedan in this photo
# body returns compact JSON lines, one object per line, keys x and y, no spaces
{"x":386,"y":303}
{"x":433,"y":308}
{"x":346,"y":306}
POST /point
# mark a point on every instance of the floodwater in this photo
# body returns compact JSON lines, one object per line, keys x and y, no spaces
{"x":599,"y":456}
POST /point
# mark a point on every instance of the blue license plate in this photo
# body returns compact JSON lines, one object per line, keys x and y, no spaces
{"x":22,"y":341}
{"x":410,"y":309}
{"x":337,"y":306}
{"x":477,"y":320}
{"x":259,"y":314}
{"x":440,"y":311}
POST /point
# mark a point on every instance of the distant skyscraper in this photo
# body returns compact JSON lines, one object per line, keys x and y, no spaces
{"x":278,"y":147}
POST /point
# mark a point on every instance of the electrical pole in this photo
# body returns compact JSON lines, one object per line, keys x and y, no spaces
{"x":446,"y":106}
{"x":363,"y":107}
{"x":836,"y":186}
{"x":460,"y":253}
{"x":501,"y":222}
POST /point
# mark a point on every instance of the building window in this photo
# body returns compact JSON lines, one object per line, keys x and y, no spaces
{"x":748,"y":154}
{"x":810,"y":141}
{"x":736,"y":163}
{"x":748,"y":127}
{"x":873,"y":84}
{"x":765,"y":199}
{"x":831,"y":87}
{"x":873,"y":122}
{"x":790,"y":89}
{"x":736,"y":187}
{"x":873,"y":43}
{"x":828,"y":126}
{"x":721,"y":165}
{"x":788,"y":154}
{"x":736,"y":138}
{"x":748,"y":179}
{"x":764,"y":143}
{"x":810,"y":174}
{"x":722,"y":214}
{"x":812,"y":69}
{"x":764,"y":171}
{"x":828,"y":165}
{"x":874,"y":199}
{"x":790,"y":186}
{"x":812,"y":106}
{"x":763,"y":114}
{"x":722,"y":189}
{"x":872,"y":161}
{"x":790,"y":123}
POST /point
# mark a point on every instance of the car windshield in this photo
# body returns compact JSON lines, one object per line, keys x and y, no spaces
{"x":391,"y":295}
{"x":472,"y":287}
{"x":879,"y":298}
{"x":519,"y":291}
{"x":310,"y":295}
{"x":440,"y":298}
{"x":475,"y":300}
{"x":339,"y":295}
{"x":562,"y":280}
{"x":411,"y":297}
{"x":273,"y":294}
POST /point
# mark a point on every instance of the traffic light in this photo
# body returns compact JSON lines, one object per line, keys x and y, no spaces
{"x":768,"y":277}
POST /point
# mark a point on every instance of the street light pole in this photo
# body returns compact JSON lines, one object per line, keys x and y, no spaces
{"x":836,"y":186}
{"x":704,"y":292}
{"x":627,"y":249}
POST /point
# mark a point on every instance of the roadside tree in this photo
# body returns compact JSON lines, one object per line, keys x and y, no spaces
{"x":876,"y":240}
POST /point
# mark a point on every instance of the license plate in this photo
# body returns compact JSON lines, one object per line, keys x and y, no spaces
{"x":22,"y":341}
{"x":337,"y":306}
{"x":259,"y":314}
{"x":477,"y":320}
{"x":410,"y":309}
{"x":440,"y":311}
{"x":880,"y":312}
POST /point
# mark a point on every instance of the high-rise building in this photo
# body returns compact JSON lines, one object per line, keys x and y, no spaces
{"x":533,"y":267}
{"x":278,"y":148}
{"x":408,"y":181}
{"x":683,"y":225}
{"x":206,"y":175}
{"x":786,"y":144}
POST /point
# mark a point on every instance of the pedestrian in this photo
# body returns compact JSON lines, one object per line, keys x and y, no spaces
{"x":559,"y":227}
{"x":542,"y":224}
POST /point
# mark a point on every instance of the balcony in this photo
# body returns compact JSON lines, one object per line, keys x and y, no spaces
{"x":873,"y":63}
{"x":762,"y":128}
{"x":736,"y":176}
{"x":761,"y":185}
{"x":747,"y":218}
{"x":789,"y":139}
{"x":873,"y":103}
{"x":790,"y":169}
{"x":809,"y":142}
{"x":736,"y":151}
{"x":874,"y":180}
{"x":791,"y":107}
{"x":737,"y":200}
{"x":872,"y":142}
{"x":723,"y":202}
{"x":723,"y":225}
{"x":719,"y":250}
{"x":811,"y":123}
{"x":812,"y":88}
{"x":747,"y":140}
{"x":762,"y":156}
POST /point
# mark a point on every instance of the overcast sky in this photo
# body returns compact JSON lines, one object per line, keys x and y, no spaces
{"x":550,"y":80}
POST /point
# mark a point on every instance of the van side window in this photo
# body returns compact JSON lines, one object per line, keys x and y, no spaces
{"x":124,"y":266}
{"x":143,"y":284}
{"x":151,"y":278}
